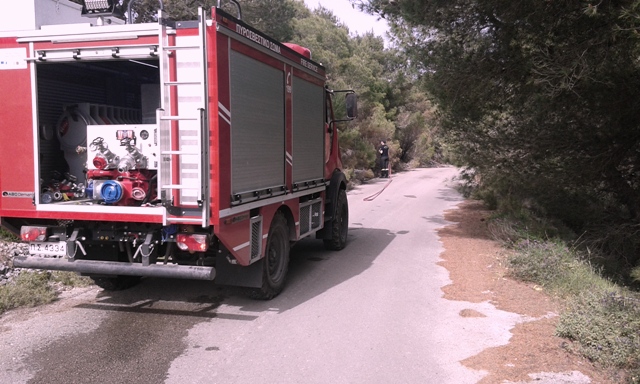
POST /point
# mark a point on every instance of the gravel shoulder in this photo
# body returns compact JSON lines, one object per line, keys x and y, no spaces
{"x":8,"y":250}
{"x":478,"y":274}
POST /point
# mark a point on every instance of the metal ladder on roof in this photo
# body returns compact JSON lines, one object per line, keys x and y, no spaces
{"x":183,"y":170}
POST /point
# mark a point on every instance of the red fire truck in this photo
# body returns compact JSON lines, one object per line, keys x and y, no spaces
{"x":192,"y":150}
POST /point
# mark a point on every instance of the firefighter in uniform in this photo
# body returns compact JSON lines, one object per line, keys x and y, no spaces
{"x":384,"y":159}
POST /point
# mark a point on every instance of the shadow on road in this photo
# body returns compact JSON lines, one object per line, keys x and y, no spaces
{"x":450,"y":194}
{"x":446,"y":194}
{"x":312,"y":271}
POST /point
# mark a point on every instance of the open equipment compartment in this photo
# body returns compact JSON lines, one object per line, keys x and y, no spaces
{"x":97,"y":131}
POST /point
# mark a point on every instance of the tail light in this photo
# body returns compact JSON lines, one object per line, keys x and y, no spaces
{"x":33,"y":233}
{"x":193,"y":242}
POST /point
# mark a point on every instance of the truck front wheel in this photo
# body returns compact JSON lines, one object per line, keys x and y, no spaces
{"x":276,"y":260}
{"x":339,"y":224}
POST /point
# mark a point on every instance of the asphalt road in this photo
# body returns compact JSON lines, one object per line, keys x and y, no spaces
{"x":371,"y":313}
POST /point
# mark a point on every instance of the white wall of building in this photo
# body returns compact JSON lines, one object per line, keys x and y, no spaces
{"x":19,"y":15}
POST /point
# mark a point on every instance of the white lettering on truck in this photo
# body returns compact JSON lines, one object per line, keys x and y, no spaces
{"x":26,"y":195}
{"x":249,"y":34}
{"x":13,"y":58}
{"x":309,"y":65}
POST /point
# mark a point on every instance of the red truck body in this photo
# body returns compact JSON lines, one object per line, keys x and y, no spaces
{"x":196,"y":150}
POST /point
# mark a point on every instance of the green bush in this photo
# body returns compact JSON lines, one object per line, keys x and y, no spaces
{"x":7,"y":236}
{"x":606,"y":326}
{"x":601,"y":318}
{"x":554,"y":266}
{"x":540,"y":262}
{"x":635,"y":274}
{"x":29,"y":289}
{"x":70,"y":279}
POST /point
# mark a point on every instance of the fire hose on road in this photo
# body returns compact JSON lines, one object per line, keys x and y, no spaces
{"x":373,"y":197}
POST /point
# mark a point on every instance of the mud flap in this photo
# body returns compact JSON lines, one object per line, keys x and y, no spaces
{"x":337,"y":179}
{"x":237,"y":275}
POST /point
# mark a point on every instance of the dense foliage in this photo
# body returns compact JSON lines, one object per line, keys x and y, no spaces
{"x":540,"y":100}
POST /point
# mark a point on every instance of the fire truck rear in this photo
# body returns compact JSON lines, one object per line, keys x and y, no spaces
{"x":192,"y":150}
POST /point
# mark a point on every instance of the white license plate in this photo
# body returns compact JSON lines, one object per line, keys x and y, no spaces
{"x":48,"y":248}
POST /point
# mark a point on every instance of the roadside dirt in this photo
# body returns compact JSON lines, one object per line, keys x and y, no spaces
{"x":476,"y":266}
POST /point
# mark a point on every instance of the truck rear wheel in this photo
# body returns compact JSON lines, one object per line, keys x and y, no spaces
{"x":116,"y":283}
{"x":275,"y":261}
{"x":339,"y":224}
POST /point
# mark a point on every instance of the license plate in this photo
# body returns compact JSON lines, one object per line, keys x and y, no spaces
{"x":48,"y":248}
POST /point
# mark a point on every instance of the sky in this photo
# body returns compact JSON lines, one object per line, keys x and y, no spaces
{"x":358,"y":22}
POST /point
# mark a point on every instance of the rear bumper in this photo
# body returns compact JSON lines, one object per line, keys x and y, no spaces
{"x":96,"y":267}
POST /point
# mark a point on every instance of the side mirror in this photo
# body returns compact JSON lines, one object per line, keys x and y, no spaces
{"x":352,"y":106}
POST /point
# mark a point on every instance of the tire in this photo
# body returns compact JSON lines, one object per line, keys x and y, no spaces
{"x":276,"y":260}
{"x":116,"y":283}
{"x":339,"y":224}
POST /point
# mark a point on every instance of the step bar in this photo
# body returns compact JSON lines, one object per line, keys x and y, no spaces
{"x":98,"y":267}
